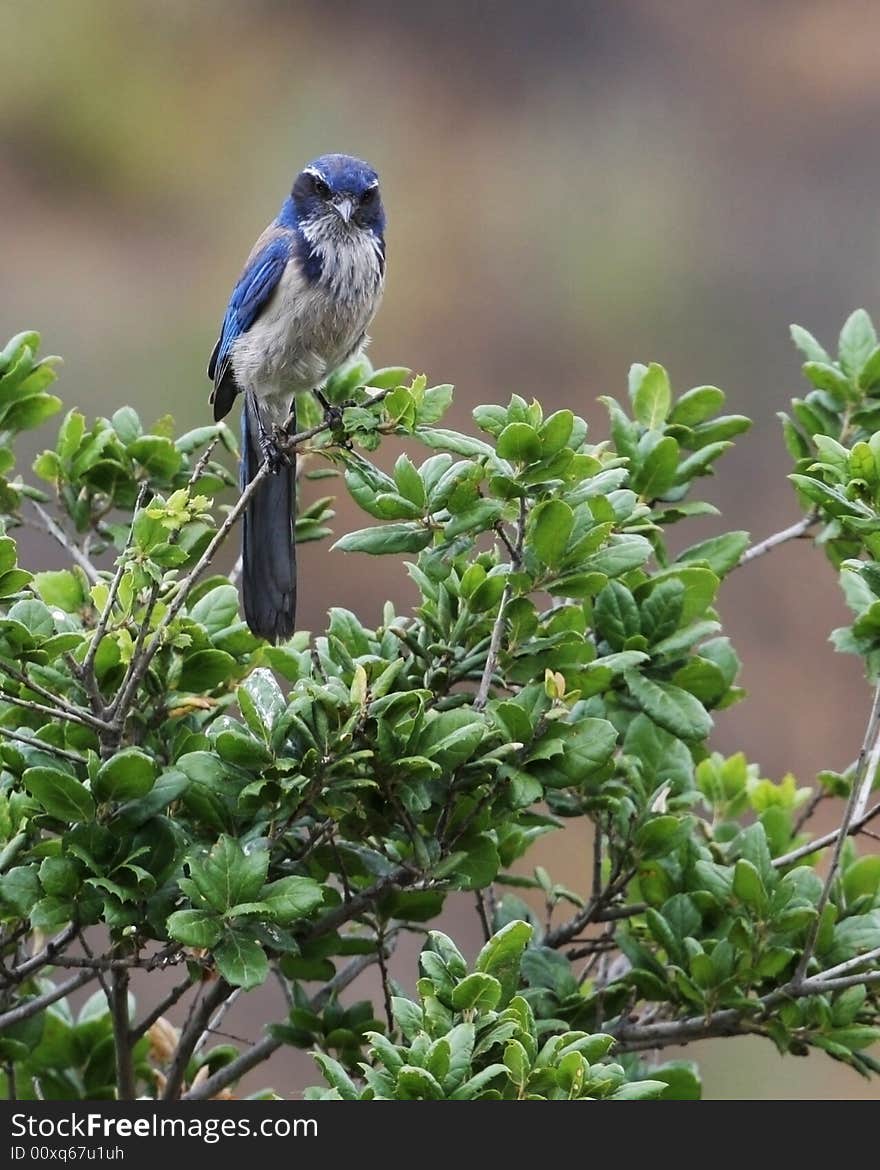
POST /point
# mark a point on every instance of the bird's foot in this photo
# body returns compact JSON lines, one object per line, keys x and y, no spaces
{"x":333,"y":417}
{"x":274,"y":450}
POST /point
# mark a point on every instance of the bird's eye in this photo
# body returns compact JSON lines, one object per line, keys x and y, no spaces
{"x":369,"y":196}
{"x":322,"y":189}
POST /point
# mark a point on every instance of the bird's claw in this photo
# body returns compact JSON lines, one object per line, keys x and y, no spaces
{"x":273,"y":450}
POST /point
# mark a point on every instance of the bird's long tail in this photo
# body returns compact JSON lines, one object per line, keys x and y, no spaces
{"x":268,"y":549}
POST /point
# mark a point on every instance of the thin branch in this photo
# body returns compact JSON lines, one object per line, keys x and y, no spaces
{"x":264,"y":1048}
{"x":160,"y":1009}
{"x":78,"y":714}
{"x":828,"y":839}
{"x":482,"y":915}
{"x":216,"y":1020}
{"x":50,"y":748}
{"x":47,"y":956}
{"x":793,"y":532}
{"x":83,"y":720}
{"x":169,"y":956}
{"x":494,"y":650}
{"x":871,"y":732}
{"x":107,"y":611}
{"x":72,"y":549}
{"x":32,"y":1007}
{"x":141,"y":662}
{"x":846,"y":967}
{"x":126,"y":1087}
{"x":199,"y":1017}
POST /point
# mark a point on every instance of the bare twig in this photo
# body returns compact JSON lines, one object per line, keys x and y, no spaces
{"x":856,"y":826}
{"x":793,"y":532}
{"x":494,"y":650}
{"x":32,"y":1007}
{"x":160,"y":1009}
{"x":72,"y":549}
{"x":482,"y":915}
{"x":216,"y":1020}
{"x":871,"y":732}
{"x":199,"y":1018}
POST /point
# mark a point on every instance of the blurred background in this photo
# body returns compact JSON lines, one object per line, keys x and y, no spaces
{"x":570,"y":187}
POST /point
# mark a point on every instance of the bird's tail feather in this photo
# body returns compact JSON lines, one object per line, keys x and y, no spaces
{"x":268,"y":549}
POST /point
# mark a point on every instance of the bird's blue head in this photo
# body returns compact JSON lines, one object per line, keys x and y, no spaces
{"x":341,"y":190}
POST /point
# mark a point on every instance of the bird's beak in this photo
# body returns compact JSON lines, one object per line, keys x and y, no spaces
{"x":344,"y":208}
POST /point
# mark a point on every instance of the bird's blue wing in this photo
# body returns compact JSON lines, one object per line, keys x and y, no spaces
{"x":250,"y":295}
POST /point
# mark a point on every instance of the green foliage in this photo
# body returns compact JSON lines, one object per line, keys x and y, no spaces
{"x":198,"y":798}
{"x":455,"y":1045}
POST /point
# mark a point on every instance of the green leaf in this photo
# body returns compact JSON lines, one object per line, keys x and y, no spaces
{"x":128,"y":775}
{"x":195,"y":928}
{"x":808,"y":345}
{"x":858,"y":340}
{"x":417,"y":1084}
{"x":720,"y":553}
{"x":616,"y":614}
{"x":862,"y":877}
{"x":206,"y":670}
{"x":290,"y":898}
{"x":696,"y":406}
{"x":387,"y":538}
{"x":217,"y":609}
{"x":61,"y":589}
{"x":241,"y":961}
{"x":157,"y":455}
{"x":550,"y":527}
{"x":670,"y":707}
{"x":477,"y":991}
{"x":61,"y":795}
{"x":501,"y":956}
{"x":519,"y":443}
{"x":658,"y":471}
{"x":652,"y":397}
{"x":747,"y":885}
{"x":228,"y":875}
{"x":336,"y":1076}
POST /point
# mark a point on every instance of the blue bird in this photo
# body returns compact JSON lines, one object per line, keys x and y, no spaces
{"x":301,"y":307}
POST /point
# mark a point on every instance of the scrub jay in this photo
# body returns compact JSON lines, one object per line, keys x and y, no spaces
{"x":301,"y":307}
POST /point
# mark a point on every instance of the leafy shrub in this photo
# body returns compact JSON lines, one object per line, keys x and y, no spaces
{"x":175,"y":793}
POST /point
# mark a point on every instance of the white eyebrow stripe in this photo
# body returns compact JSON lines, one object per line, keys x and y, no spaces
{"x":314,"y":173}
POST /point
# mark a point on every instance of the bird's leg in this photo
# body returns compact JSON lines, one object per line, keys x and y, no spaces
{"x":332,"y":414}
{"x":272,"y":448}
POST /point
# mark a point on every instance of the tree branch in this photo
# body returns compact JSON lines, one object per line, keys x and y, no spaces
{"x":827,"y":839}
{"x":160,"y":1009}
{"x":264,"y":1048}
{"x":871,"y":732}
{"x":198,"y":1020}
{"x":41,"y":745}
{"x":72,"y":549}
{"x":793,"y":532}
{"x":126,"y":1088}
{"x":32,"y":1007}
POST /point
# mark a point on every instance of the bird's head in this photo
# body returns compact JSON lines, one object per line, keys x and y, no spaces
{"x":340,"y":191}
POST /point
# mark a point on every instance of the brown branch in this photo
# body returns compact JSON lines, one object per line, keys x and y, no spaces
{"x":32,"y":1007}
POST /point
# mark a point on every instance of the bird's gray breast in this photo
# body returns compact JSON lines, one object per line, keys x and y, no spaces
{"x":309,"y":328}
